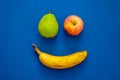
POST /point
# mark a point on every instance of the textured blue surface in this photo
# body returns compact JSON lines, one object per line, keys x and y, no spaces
{"x":101,"y":37}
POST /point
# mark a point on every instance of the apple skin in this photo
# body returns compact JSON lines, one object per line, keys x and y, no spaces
{"x":73,"y":25}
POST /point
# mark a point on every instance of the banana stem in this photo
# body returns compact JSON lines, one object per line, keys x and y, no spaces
{"x":36,"y":49}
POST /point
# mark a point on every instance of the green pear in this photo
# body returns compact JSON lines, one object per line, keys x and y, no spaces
{"x":48,"y":25}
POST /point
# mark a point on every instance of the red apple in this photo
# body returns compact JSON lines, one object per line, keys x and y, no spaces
{"x":73,"y":25}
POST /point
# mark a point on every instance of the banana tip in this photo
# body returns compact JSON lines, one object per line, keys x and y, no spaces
{"x":34,"y":45}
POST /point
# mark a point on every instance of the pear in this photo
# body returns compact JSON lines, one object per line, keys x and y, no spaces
{"x":48,"y":25}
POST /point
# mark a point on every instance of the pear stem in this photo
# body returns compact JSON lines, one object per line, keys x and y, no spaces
{"x":50,"y":11}
{"x":36,"y":49}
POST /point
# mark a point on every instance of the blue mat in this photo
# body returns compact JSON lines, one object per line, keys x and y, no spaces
{"x":100,"y":37}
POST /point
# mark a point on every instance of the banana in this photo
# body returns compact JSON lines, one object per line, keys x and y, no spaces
{"x":60,"y":62}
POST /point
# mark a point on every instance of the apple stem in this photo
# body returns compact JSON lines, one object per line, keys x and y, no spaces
{"x":73,"y":22}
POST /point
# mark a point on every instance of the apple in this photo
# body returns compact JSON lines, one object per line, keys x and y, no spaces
{"x":73,"y":25}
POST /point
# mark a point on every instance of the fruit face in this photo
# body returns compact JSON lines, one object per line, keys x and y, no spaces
{"x":73,"y":25}
{"x":48,"y":26}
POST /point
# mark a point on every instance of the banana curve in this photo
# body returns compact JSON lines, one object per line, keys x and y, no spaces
{"x":60,"y":62}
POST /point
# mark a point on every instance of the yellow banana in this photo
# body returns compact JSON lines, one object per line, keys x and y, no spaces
{"x":60,"y":62}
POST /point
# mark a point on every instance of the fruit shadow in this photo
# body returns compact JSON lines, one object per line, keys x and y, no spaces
{"x":59,"y":74}
{"x":48,"y":44}
{"x":72,"y":43}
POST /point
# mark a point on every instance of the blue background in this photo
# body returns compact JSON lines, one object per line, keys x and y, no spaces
{"x":100,"y":37}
